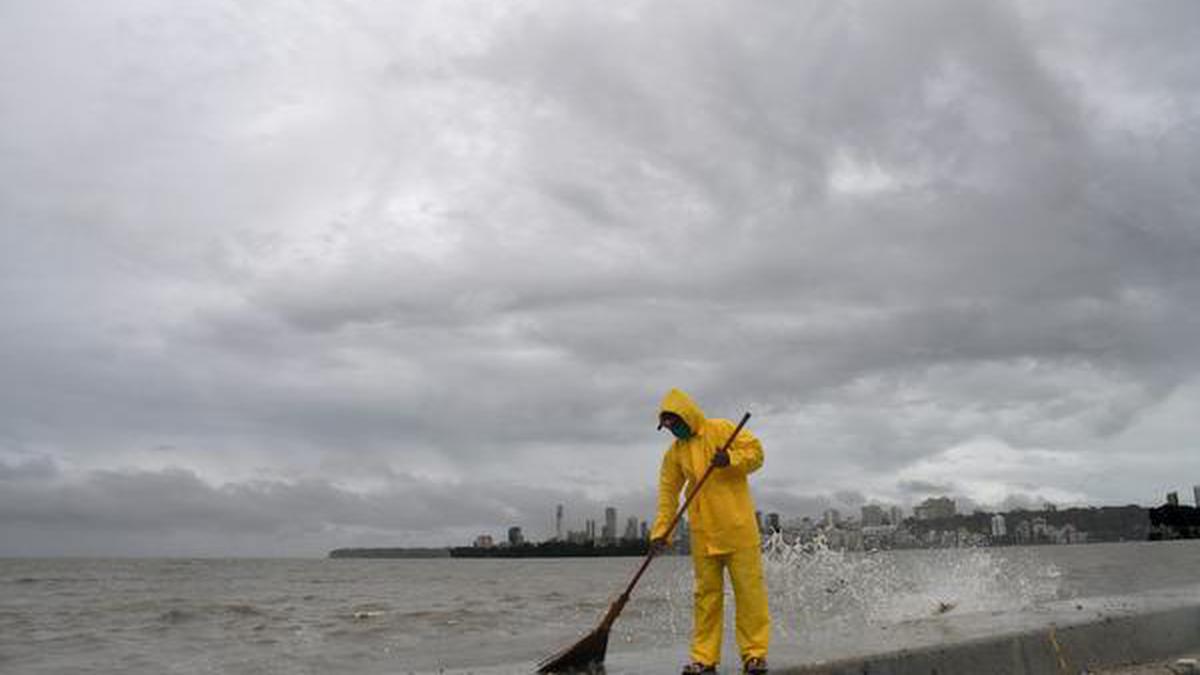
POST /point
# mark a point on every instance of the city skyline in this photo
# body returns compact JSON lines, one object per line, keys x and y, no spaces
{"x":871,"y":515}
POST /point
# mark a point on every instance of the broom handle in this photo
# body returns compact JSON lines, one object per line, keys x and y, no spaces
{"x":617,"y":606}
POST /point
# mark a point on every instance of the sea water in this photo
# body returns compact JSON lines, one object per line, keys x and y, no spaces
{"x":500,"y":616}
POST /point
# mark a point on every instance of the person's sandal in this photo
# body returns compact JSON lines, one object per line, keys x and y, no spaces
{"x":697,"y":668}
{"x":754,"y":666}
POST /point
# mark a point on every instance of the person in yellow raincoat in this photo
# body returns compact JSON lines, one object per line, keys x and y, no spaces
{"x":724,"y":530}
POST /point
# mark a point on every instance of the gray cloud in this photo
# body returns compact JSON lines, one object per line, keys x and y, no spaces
{"x":923,"y":487}
{"x":140,"y":510}
{"x":306,"y":248}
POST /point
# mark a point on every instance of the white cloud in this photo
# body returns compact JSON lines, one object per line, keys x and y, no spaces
{"x":988,"y":470}
{"x":859,"y":178}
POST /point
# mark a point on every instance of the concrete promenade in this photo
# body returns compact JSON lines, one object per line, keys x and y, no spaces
{"x":1168,"y":667}
{"x":1091,"y":635}
{"x":1137,"y":634}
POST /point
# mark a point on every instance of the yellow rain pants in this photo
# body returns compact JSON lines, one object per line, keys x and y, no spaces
{"x":752,"y":622}
{"x":724,"y":531}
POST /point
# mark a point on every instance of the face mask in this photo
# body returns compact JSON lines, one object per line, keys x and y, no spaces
{"x":680,"y":429}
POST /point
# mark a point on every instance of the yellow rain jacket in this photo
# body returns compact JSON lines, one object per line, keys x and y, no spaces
{"x":722,"y":514}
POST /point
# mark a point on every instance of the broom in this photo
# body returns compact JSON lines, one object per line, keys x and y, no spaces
{"x":590,"y":649}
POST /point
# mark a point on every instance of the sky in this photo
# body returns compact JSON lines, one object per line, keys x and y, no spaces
{"x":280,"y":277}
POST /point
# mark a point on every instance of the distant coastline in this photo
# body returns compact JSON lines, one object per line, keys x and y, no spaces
{"x":545,"y":549}
{"x":1015,"y":528}
{"x":553,"y":549}
{"x":390,"y":553}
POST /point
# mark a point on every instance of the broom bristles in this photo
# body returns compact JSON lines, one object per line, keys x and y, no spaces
{"x":588,"y":651}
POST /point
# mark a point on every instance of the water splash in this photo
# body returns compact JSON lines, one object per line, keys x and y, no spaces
{"x":816,"y":591}
{"x":811,"y":584}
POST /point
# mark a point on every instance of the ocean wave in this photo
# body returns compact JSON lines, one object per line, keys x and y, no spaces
{"x":191,"y":612}
{"x":242,"y":609}
{"x":176,"y":616}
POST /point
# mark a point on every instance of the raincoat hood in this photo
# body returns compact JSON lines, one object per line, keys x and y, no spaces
{"x":681,"y":404}
{"x":721,"y":517}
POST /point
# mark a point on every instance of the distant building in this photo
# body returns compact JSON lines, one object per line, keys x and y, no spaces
{"x":558,"y":515}
{"x":896,"y":514}
{"x":872,"y":515}
{"x":773,"y":524}
{"x":845,"y":539}
{"x":609,"y":534}
{"x":645,"y":531}
{"x":484,"y":541}
{"x":1023,"y":532}
{"x":1049,"y":507}
{"x":1196,"y":495}
{"x":589,"y":530}
{"x":934,"y":508}
{"x":998,"y":526}
{"x":515,"y":538}
{"x":1040,"y":530}
{"x":831,"y":517}
{"x":875,"y":535}
{"x":631,"y":529}
{"x":683,"y":537}
{"x":1173,"y":498}
{"x":1068,"y":534}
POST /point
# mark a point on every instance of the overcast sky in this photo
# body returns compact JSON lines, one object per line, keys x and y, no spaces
{"x":278,"y":277}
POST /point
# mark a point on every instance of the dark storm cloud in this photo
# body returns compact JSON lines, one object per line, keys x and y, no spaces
{"x":922,"y":487}
{"x":472,"y":243}
{"x":140,"y":510}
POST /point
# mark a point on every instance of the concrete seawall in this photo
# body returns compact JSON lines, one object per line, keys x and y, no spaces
{"x":1056,"y":639}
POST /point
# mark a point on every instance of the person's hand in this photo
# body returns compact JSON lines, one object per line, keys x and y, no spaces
{"x":720,"y":460}
{"x":658,"y":545}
